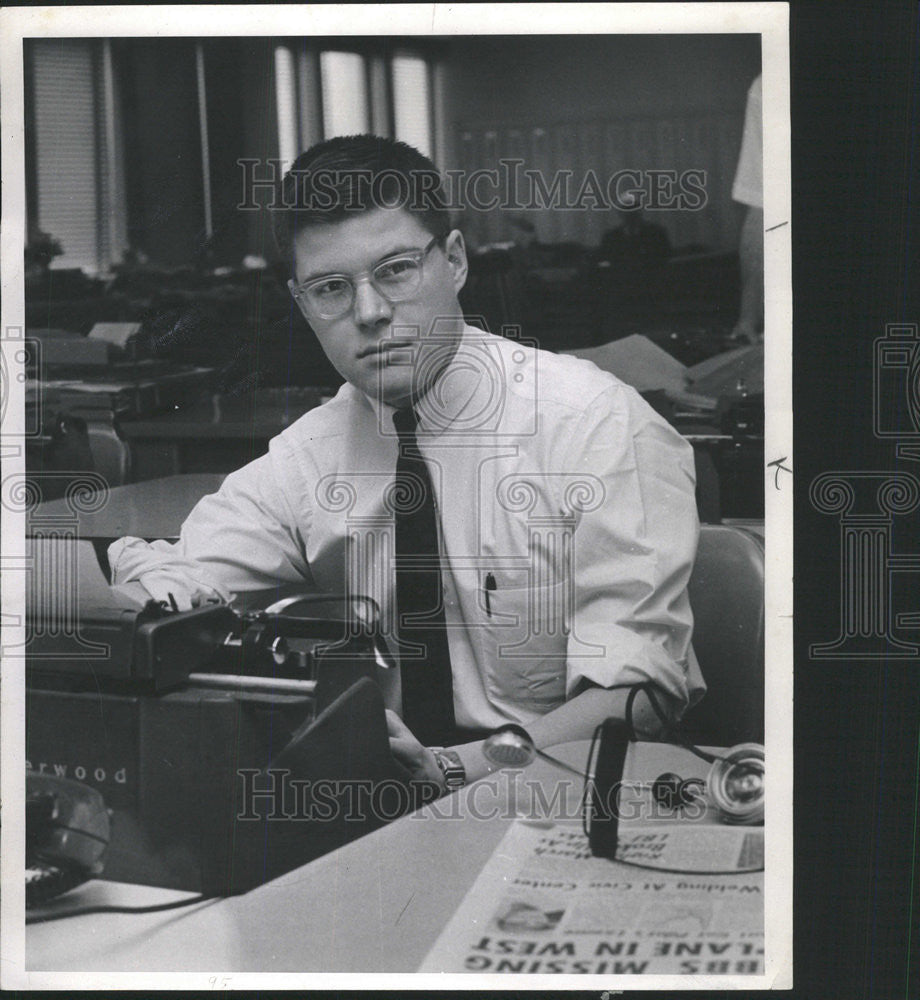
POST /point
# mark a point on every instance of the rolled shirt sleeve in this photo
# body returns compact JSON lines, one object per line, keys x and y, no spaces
{"x":245,"y":537}
{"x":634,"y":551}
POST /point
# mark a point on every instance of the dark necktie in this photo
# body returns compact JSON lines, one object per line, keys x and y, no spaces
{"x":427,"y":688}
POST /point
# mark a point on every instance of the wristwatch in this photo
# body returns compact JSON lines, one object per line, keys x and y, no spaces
{"x":451,"y":767}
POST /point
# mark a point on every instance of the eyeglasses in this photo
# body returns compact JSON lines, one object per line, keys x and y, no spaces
{"x":395,"y":278}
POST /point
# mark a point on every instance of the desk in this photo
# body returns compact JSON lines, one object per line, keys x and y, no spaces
{"x":216,"y":434}
{"x":375,"y":905}
{"x":154,"y":509}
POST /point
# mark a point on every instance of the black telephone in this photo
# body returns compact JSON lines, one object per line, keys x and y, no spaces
{"x":67,"y":832}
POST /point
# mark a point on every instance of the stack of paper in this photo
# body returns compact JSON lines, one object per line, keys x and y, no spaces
{"x":646,"y":367}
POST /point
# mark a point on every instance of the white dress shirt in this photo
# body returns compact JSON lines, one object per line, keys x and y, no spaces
{"x":747,"y":186}
{"x":550,"y":475}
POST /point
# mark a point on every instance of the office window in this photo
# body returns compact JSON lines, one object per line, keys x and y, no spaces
{"x":344,"y":86}
{"x":321,"y":94}
{"x":412,"y":101}
{"x":286,"y":101}
{"x":77,"y":169}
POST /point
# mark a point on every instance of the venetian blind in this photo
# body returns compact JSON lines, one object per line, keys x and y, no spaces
{"x":412,"y":101}
{"x":79,"y":187}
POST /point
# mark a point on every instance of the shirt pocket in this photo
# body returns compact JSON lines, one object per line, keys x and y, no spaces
{"x":523,"y":636}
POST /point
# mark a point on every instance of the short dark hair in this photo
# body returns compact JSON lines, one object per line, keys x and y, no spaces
{"x":357,"y":173}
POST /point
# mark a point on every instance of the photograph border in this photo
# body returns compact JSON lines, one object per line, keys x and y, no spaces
{"x":771,"y":20}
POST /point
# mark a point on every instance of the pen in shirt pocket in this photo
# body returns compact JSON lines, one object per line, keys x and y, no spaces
{"x":487,"y":589}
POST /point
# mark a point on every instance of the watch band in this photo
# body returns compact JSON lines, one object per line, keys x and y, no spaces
{"x":451,"y":767}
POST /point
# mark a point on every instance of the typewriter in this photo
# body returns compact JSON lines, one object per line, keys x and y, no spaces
{"x":207,"y":732}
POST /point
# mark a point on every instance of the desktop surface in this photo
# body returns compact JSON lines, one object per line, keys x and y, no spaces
{"x":376,"y":905}
{"x":155,"y":508}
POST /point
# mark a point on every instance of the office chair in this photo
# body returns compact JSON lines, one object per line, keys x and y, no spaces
{"x":727,"y":596}
{"x":111,"y":453}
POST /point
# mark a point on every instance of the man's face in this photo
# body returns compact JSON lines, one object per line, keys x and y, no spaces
{"x":378,"y":345}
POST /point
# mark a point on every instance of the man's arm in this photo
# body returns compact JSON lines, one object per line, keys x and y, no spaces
{"x":575,"y":720}
{"x":245,"y":537}
{"x":750,"y":253}
{"x":748,"y":190}
{"x":633,"y":552}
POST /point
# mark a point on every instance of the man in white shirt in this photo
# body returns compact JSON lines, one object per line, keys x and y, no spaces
{"x":565,"y":513}
{"x":748,"y":190}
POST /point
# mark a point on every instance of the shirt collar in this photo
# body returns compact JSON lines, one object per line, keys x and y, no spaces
{"x":462,"y":390}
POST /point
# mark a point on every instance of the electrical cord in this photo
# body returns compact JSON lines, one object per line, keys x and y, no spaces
{"x":672,"y":736}
{"x":83,"y":911}
{"x":690,"y":871}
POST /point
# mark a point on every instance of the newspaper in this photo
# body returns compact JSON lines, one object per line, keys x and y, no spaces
{"x":543,"y":905}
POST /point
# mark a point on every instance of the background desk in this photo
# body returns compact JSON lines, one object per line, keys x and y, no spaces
{"x":215,"y":434}
{"x":375,"y":905}
{"x":154,"y":509}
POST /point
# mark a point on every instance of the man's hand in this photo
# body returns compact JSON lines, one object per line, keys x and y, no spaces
{"x":418,"y":760}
